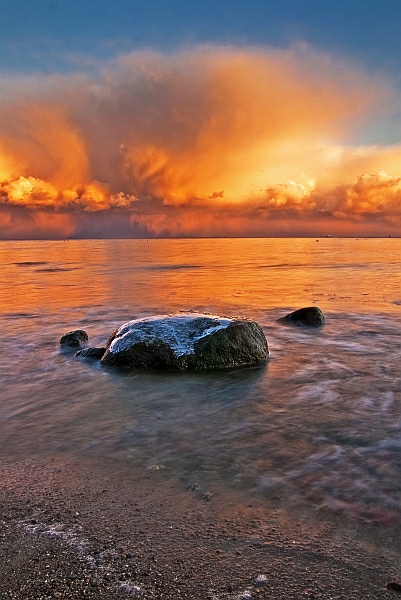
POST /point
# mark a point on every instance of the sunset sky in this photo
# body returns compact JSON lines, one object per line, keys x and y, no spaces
{"x":230,"y":118}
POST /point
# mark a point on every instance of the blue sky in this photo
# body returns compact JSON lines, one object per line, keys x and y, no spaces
{"x":53,"y":35}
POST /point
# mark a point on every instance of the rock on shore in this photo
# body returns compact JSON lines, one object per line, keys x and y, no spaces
{"x":187,"y":341}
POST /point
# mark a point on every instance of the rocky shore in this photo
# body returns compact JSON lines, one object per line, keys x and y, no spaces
{"x":85,"y":528}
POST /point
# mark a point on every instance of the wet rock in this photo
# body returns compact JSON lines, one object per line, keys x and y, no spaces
{"x":91,"y":353}
{"x":310,"y":316}
{"x":187,"y":341}
{"x":111,"y":338}
{"x":194,"y":487}
{"x":74,"y":339}
{"x":394,"y":585}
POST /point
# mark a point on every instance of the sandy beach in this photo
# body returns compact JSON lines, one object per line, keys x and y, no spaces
{"x":89,"y":529}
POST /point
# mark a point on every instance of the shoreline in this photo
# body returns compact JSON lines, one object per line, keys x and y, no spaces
{"x":91,"y":528}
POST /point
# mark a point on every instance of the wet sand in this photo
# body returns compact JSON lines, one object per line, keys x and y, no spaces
{"x":85,"y":528}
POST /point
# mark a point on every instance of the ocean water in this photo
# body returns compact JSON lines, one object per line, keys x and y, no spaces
{"x":318,"y":425}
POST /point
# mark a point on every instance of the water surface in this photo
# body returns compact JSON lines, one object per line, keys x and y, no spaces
{"x":319,"y":425}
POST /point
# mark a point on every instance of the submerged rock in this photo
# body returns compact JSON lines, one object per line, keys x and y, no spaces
{"x":91,"y":352}
{"x":310,"y":316}
{"x":186,"y":341}
{"x":74,"y":339}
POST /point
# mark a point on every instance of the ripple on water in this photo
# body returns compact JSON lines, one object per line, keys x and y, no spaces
{"x":321,"y":422}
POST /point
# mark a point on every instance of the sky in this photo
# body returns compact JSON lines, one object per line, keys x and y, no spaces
{"x":199,"y":119}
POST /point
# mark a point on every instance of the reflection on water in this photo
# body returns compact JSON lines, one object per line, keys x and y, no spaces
{"x":321,"y":423}
{"x":234,"y":274}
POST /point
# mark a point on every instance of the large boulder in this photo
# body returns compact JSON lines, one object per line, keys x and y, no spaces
{"x":73,"y":339}
{"x":310,"y":316}
{"x":186,"y":341}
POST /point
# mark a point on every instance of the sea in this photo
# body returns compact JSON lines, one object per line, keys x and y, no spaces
{"x":318,"y":426}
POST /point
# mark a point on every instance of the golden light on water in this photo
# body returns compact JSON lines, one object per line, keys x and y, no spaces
{"x":238,"y":276}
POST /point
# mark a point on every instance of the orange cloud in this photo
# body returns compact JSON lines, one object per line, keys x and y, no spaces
{"x":37,"y":139}
{"x":21,"y":223}
{"x":212,"y":141}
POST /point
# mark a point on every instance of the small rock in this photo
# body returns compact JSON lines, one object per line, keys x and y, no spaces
{"x":91,"y":353}
{"x":74,"y":339}
{"x":310,"y":316}
{"x":244,"y":595}
{"x":394,"y":585}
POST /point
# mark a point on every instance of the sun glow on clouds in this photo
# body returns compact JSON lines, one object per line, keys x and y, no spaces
{"x":212,"y":141}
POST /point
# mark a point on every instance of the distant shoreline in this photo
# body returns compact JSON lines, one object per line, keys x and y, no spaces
{"x":147,"y":239}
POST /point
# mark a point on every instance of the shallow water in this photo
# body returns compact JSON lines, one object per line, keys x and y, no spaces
{"x":319,"y":424}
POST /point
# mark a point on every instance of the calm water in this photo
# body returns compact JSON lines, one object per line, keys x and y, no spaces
{"x":320,"y":424}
